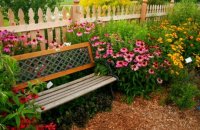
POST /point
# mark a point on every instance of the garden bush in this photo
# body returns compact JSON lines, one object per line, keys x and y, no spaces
{"x":184,"y":10}
{"x":184,"y":94}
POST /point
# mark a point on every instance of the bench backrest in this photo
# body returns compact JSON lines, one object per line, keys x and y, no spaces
{"x":50,"y":64}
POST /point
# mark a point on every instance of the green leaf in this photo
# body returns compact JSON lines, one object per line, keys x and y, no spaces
{"x":17,"y":119}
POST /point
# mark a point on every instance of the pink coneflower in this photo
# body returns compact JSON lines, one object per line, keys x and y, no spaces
{"x":125,"y":63}
{"x":94,"y":38}
{"x":124,"y":50}
{"x":140,"y":43}
{"x":87,"y":29}
{"x":109,"y":52}
{"x":131,"y":54}
{"x":114,"y":56}
{"x":105,"y":56}
{"x":97,"y":55}
{"x":40,"y":38}
{"x":144,"y":63}
{"x":139,"y":58}
{"x":100,"y":48}
{"x":136,"y":49}
{"x":150,"y":55}
{"x":159,"y":80}
{"x":34,"y":42}
{"x":79,"y":34}
{"x":70,"y":30}
{"x":128,"y":58}
{"x":151,"y":71}
{"x":6,"y":49}
{"x":158,"y":53}
{"x":119,"y":54}
{"x":134,"y":67}
{"x":119,"y":64}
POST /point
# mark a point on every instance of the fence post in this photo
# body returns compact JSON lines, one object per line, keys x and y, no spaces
{"x":171,"y":3}
{"x":144,"y":10}
{"x":76,"y":11}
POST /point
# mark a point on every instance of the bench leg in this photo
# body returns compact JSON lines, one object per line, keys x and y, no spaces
{"x":112,"y":93}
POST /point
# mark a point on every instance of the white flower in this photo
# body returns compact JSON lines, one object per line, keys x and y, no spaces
{"x":67,"y":44}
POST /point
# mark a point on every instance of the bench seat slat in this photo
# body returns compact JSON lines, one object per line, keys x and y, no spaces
{"x":66,"y":88}
{"x":67,"y":84}
{"x":75,"y":88}
{"x":78,"y":93}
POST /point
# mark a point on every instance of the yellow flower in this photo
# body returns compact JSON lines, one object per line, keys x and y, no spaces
{"x":160,"y":40}
{"x":169,"y":40}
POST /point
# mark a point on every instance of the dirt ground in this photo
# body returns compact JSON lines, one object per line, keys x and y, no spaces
{"x":144,"y":115}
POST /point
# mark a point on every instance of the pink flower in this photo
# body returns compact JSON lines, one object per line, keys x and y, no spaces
{"x":128,"y":58}
{"x":106,"y":35}
{"x":6,"y":49}
{"x":150,"y":55}
{"x":144,"y":63}
{"x":109,"y":52}
{"x":34,"y":42}
{"x":94,"y":38}
{"x":119,"y":54}
{"x":40,"y":38}
{"x":70,"y":30}
{"x":114,"y":56}
{"x":131,"y":54}
{"x":136,"y":49}
{"x":87,"y":29}
{"x":125,"y":63}
{"x":140,"y":43}
{"x":79,"y":34}
{"x":105,"y":56}
{"x":124,"y":50}
{"x":119,"y":64}
{"x":155,"y":65}
{"x":139,"y":58}
{"x":134,"y":67}
{"x":159,"y":80}
{"x":100,"y":48}
{"x":151,"y":71}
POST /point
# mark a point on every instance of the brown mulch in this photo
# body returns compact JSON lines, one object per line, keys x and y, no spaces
{"x":144,"y":115}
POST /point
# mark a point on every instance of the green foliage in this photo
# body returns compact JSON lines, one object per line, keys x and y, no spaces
{"x":8,"y":71}
{"x":184,"y":10}
{"x":80,"y":110}
{"x":183,"y":94}
{"x":127,"y":30}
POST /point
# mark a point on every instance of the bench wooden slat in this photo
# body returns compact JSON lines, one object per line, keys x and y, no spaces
{"x":66,"y":88}
{"x":77,"y":94}
{"x":66,"y":84}
{"x":66,"y":92}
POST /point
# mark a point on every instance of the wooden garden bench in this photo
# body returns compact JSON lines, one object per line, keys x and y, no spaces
{"x":50,"y":64}
{"x":46,"y":65}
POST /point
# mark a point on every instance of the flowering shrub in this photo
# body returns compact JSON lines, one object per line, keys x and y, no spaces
{"x":139,"y":66}
{"x":80,"y":32}
{"x":178,"y":42}
{"x":14,"y":44}
{"x":104,"y":2}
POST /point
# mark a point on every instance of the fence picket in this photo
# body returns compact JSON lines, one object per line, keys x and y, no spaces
{"x":41,"y":32}
{"x":57,"y":30}
{"x":21,"y":17}
{"x":1,"y":19}
{"x":64,"y":29}
{"x":11,"y":18}
{"x":50,"y":30}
